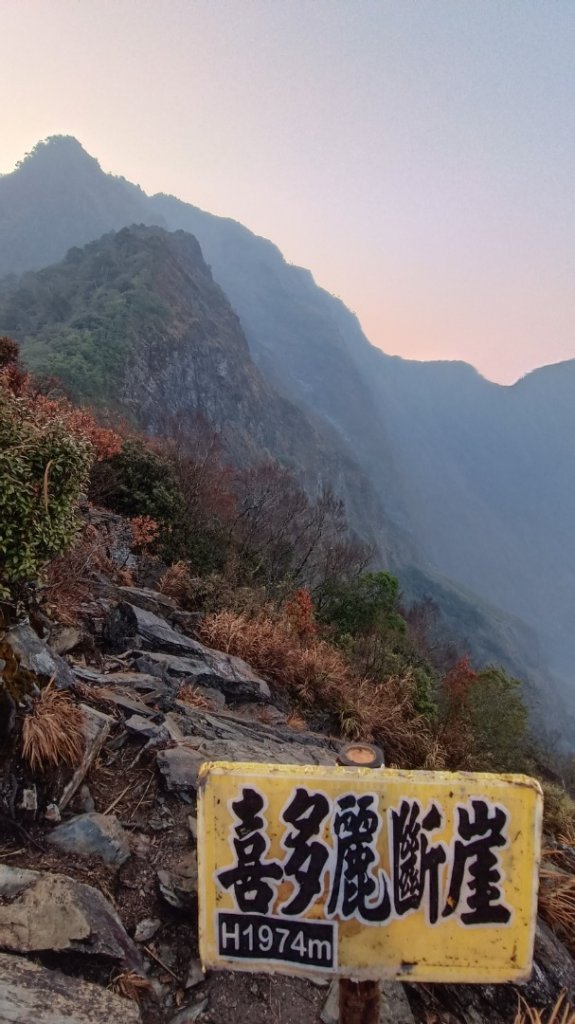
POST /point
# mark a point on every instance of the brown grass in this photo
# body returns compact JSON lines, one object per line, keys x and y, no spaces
{"x":561,"y":1013}
{"x":557,"y":903}
{"x":177,"y":582}
{"x":194,"y":697}
{"x":131,"y":986}
{"x":318,"y":678}
{"x":52,"y":734}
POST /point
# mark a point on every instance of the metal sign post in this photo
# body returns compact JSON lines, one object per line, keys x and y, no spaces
{"x":350,"y":873}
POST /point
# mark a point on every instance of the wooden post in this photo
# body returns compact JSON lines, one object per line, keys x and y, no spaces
{"x":359,"y":1001}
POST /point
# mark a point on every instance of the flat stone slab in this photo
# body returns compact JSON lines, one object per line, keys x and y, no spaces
{"x":41,"y":912}
{"x":223,"y":736}
{"x":231,"y":676}
{"x":93,"y":835}
{"x":30,"y":994}
{"x":182,"y":658}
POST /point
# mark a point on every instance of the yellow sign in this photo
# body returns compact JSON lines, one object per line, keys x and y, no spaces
{"x":426,"y":876}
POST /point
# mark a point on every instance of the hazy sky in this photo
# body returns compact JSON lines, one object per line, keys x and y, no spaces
{"x":417,"y":155}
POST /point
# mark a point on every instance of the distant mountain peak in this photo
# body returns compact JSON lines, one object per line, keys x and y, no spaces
{"x":58,"y":151}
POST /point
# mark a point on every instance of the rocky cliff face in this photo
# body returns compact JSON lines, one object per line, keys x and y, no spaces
{"x":135,"y":323}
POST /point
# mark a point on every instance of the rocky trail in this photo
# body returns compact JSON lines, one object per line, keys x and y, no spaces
{"x":98,"y":870}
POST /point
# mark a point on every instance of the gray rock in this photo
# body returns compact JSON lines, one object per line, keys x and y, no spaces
{"x":231,"y":676}
{"x":85,"y":800}
{"x":29,"y":802}
{"x":96,"y":728}
{"x":148,"y":600}
{"x":195,"y":975}
{"x":65,"y":638}
{"x":189,"y":1014}
{"x":181,"y":657}
{"x":330,"y":1010}
{"x":130,"y":626}
{"x":141,"y":682}
{"x":41,"y":912}
{"x":93,"y":835}
{"x":554,"y":968}
{"x":30,"y":994}
{"x":226,"y":737}
{"x":146,"y":929}
{"x":173,"y":723}
{"x":140,"y":726}
{"x":179,"y":885}
{"x":179,"y":768}
{"x":52,"y":814}
{"x":35,"y":656}
{"x":395,"y":1008}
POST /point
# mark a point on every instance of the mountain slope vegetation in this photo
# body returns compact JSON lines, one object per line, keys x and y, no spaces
{"x":477,"y":481}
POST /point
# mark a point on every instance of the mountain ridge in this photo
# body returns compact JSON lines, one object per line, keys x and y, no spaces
{"x":479,"y":481}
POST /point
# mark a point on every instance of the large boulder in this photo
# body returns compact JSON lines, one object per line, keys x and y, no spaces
{"x":179,"y":658}
{"x":215,"y":670}
{"x":42,"y":912}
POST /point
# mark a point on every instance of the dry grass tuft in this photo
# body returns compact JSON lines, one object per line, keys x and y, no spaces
{"x":177,"y":582}
{"x":194,"y":697}
{"x":557,"y":903}
{"x":52,"y":734}
{"x":319,"y":678}
{"x":561,"y":1013}
{"x":131,"y":986}
{"x":558,"y":813}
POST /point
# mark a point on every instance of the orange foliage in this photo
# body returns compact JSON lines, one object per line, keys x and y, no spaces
{"x":144,"y":530}
{"x":299,"y":612}
{"x":104,"y":441}
{"x":44,"y":408}
{"x":457,"y":731}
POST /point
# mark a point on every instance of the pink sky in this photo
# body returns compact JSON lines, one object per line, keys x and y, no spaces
{"x":417,"y":155}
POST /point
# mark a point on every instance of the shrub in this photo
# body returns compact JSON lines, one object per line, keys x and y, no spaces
{"x":498,"y":722}
{"x":363,"y":606}
{"x":483,"y":719}
{"x":43,"y":468}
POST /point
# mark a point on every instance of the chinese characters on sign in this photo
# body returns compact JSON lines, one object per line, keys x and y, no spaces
{"x":322,"y":868}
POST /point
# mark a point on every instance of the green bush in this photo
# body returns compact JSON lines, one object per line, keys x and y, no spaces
{"x":363,"y":606}
{"x":498,"y":719}
{"x":43,"y":468}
